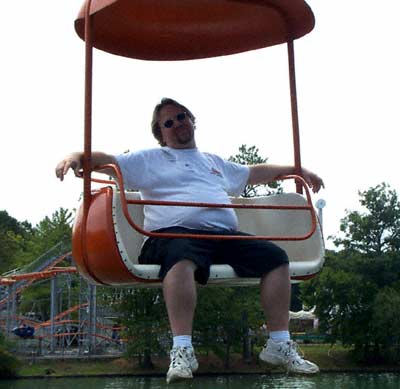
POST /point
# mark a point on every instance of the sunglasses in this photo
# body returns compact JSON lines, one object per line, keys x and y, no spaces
{"x":180,"y":118}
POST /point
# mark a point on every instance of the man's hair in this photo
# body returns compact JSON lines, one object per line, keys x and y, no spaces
{"x":155,"y":126}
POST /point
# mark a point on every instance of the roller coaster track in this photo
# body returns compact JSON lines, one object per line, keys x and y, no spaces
{"x":48,"y":271}
{"x":24,"y":277}
{"x":61,"y":315}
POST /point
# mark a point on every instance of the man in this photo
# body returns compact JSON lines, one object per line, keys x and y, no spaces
{"x":179,"y":171}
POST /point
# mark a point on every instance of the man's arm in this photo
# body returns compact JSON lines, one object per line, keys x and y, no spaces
{"x":265,"y":173}
{"x":74,"y":161}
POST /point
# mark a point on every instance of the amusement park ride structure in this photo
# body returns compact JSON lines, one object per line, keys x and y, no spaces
{"x":76,"y":325}
{"x":108,"y":228}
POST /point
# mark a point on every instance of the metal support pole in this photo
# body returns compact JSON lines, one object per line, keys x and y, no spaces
{"x":53,"y":311}
{"x":10,"y":291}
{"x":320,"y":204}
{"x":81,"y":317}
{"x":295,"y":114}
{"x":320,"y":217}
{"x":92,"y":318}
{"x":13,"y":315}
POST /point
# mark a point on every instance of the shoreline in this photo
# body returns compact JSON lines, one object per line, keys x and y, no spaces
{"x":334,"y":359}
{"x":208,"y":374}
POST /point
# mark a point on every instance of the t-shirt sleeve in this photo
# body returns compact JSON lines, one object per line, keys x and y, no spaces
{"x":236,"y":176}
{"x":133,"y":168}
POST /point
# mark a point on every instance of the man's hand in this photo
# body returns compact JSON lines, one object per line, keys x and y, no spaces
{"x":314,"y":181}
{"x":72,"y":161}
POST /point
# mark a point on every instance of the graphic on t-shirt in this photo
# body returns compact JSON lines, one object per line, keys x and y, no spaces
{"x":216,"y":172}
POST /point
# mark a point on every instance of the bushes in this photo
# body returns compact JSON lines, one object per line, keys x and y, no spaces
{"x":357,"y":302}
{"x":8,"y":363}
{"x":386,"y":323}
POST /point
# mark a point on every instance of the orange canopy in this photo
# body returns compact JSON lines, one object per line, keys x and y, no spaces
{"x":189,"y":29}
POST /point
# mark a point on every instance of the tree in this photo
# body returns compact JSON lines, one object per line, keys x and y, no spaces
{"x":343,"y":298}
{"x":223,"y":318}
{"x":357,"y":294}
{"x":23,"y":244}
{"x":51,"y":231}
{"x":386,"y":321}
{"x":9,"y":364}
{"x":20,"y":243}
{"x":377,"y":230}
{"x":145,"y":318}
{"x":250,"y":156}
{"x":13,"y":239}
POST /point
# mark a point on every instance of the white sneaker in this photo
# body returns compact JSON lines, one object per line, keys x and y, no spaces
{"x":183,"y":363}
{"x":285,"y":354}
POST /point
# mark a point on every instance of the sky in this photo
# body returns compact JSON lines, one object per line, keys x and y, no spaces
{"x":348,"y":81}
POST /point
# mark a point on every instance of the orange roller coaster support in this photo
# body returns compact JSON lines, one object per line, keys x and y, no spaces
{"x":44,"y":274}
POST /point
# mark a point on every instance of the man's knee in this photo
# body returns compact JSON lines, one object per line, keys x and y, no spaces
{"x":282,"y":269}
{"x":183,"y":268}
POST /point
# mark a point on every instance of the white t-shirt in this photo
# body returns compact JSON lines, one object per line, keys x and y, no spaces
{"x":184,"y":175}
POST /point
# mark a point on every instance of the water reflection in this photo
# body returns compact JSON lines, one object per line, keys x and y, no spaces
{"x":322,"y":381}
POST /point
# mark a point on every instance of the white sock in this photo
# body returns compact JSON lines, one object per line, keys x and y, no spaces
{"x":279,"y":336}
{"x":182,"y":341}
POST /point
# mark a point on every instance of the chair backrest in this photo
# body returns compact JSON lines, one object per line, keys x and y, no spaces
{"x":292,"y":223}
{"x":258,"y":222}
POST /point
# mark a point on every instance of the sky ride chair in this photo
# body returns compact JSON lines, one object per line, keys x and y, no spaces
{"x":108,"y":229}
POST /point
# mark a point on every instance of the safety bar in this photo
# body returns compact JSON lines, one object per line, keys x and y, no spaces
{"x":125,"y":202}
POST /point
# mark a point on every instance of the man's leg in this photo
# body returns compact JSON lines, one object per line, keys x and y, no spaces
{"x":180,"y":298}
{"x":275,"y":300}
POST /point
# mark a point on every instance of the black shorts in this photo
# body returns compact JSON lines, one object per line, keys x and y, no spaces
{"x":249,"y":258}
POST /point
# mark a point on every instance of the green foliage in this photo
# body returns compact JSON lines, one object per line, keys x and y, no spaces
{"x":346,"y":296}
{"x":357,"y":295}
{"x":250,"y":156}
{"x":386,"y":322}
{"x":8,"y":223}
{"x":8,"y":363}
{"x":344,"y":301}
{"x":145,"y":317}
{"x":51,"y":231}
{"x":20,"y":243}
{"x":377,"y":230}
{"x":13,"y":236}
{"x":223,"y":318}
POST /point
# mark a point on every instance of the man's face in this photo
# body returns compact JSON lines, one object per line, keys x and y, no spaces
{"x":177,"y":130}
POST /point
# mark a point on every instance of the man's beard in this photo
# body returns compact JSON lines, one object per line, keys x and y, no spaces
{"x":184,"y":137}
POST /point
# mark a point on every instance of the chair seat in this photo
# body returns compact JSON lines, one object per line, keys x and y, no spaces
{"x":306,"y":256}
{"x":109,"y":255}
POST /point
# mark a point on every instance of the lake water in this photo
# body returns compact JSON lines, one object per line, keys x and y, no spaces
{"x":321,"y":381}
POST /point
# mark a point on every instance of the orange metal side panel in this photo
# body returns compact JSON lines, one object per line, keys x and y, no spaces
{"x":103,"y":258}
